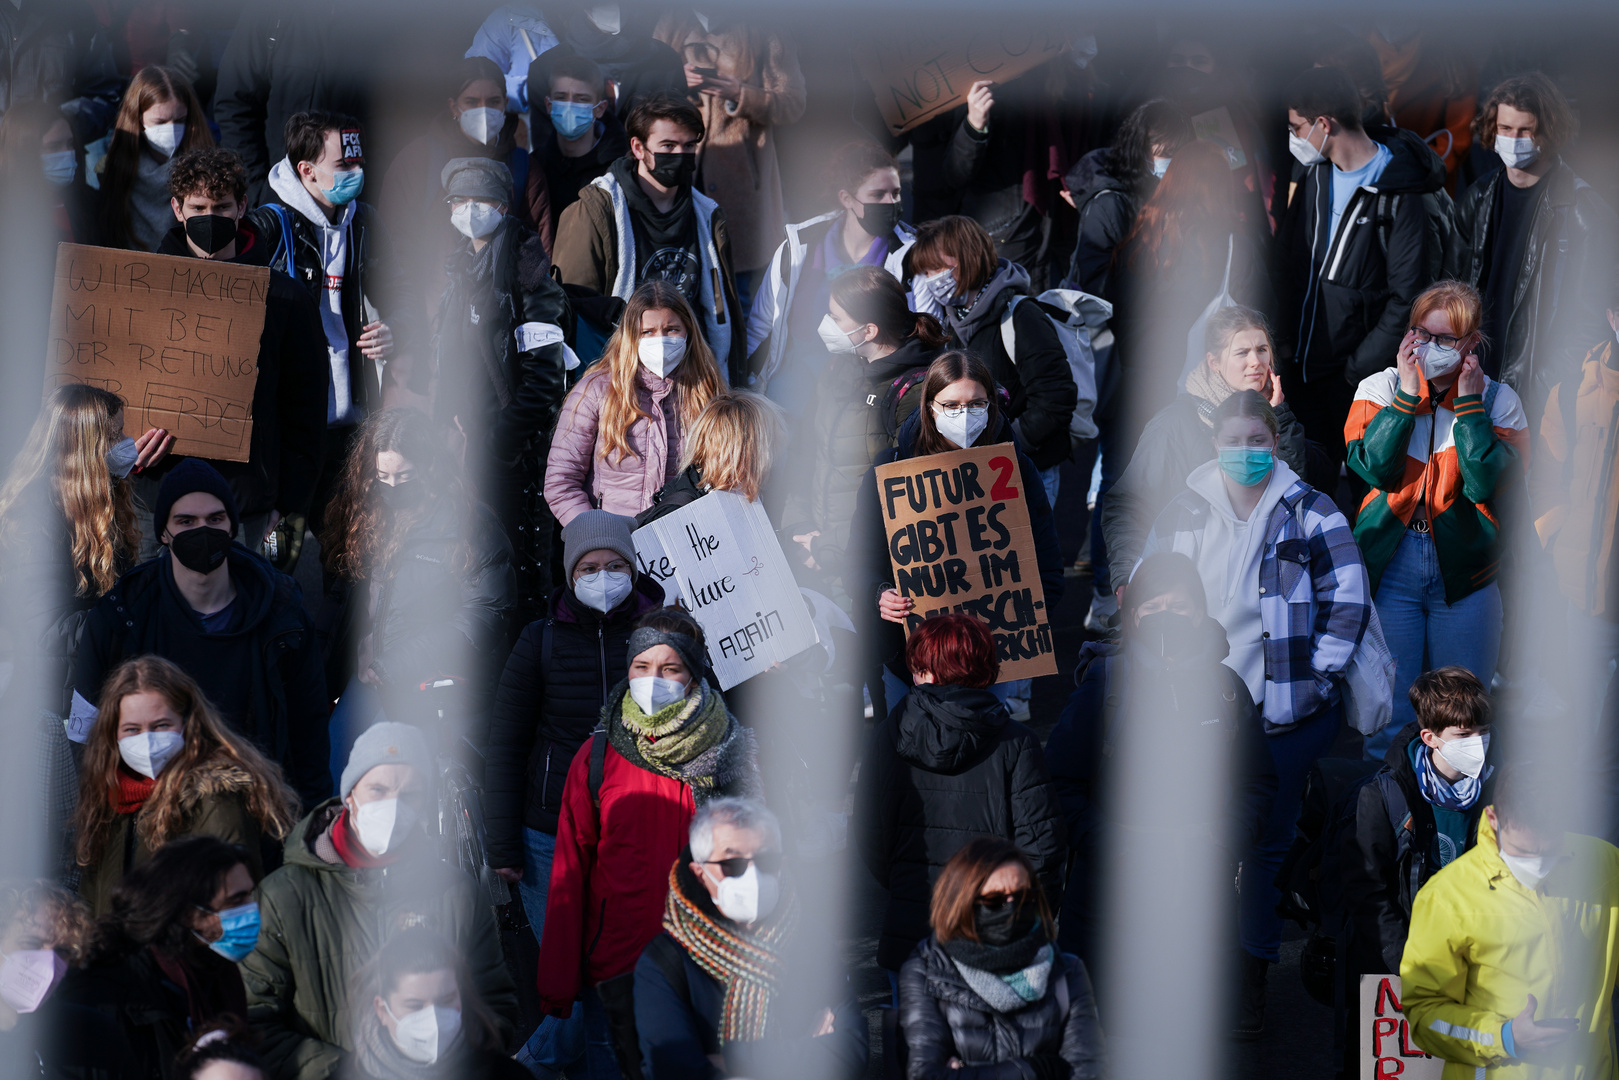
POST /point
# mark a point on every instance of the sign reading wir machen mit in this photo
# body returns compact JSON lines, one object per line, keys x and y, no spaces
{"x":959,"y":540}
{"x":176,"y":338}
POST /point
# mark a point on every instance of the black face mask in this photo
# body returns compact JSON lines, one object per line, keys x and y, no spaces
{"x":1169,"y":635}
{"x":406,"y":495}
{"x":879,"y":218}
{"x":211,"y":232}
{"x":1003,"y":923}
{"x":200,"y":550}
{"x":673,"y":170}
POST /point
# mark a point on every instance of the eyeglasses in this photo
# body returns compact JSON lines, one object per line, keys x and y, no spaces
{"x":462,"y":200}
{"x":954,"y":411}
{"x":617,"y":566}
{"x":1449,"y":341}
{"x":768,"y":862}
{"x":1018,"y":897}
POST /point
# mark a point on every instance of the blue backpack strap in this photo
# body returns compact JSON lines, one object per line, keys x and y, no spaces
{"x":1492,"y":388}
{"x":281,"y":258}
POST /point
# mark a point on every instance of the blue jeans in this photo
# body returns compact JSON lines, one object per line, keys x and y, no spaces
{"x":1424,"y":632}
{"x":1103,"y":459}
{"x":358,"y":708}
{"x":1051,"y":480}
{"x":556,"y":1043}
{"x":538,"y":850}
{"x":600,"y":1061}
{"x":1292,"y":752}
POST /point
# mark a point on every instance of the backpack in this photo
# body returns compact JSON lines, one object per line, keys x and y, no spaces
{"x":1311,"y":877}
{"x":1075,"y":316}
{"x":892,"y":396}
{"x":1444,"y":242}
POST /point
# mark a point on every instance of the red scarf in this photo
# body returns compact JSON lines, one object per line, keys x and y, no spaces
{"x":133,"y":791}
{"x":349,"y":848}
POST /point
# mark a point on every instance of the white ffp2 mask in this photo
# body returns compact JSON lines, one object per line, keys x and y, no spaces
{"x":661,"y":354}
{"x":426,"y":1034}
{"x":1304,"y":151}
{"x":653,"y":693}
{"x":603,"y":590}
{"x":1466,"y":755}
{"x":1438,"y":360}
{"x":748,"y":898}
{"x":475,"y":220}
{"x":482,"y":125}
{"x":381,"y":825}
{"x":962,"y":429}
{"x":149,"y":751}
{"x":165,"y":138}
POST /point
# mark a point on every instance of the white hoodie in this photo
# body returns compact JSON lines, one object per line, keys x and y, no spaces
{"x":341,"y":409}
{"x":1228,"y":556}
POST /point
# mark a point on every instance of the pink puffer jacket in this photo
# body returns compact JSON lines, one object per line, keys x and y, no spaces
{"x":577,"y":478}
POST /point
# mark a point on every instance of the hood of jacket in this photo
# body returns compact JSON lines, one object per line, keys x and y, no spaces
{"x":1211,"y":647}
{"x":1414,"y":169}
{"x":292,"y":193}
{"x":948,"y":729}
{"x":1010,"y":280}
{"x":1089,"y":176}
{"x":255,"y":589}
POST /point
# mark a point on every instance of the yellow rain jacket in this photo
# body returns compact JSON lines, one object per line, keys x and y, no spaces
{"x":1481,"y":943}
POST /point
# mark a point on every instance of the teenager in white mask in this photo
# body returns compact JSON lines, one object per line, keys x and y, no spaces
{"x":961,"y":407}
{"x":160,"y":117}
{"x":670,"y":746}
{"x":1436,"y":438}
{"x":359,"y":868}
{"x":418,"y":1014}
{"x":159,"y":763}
{"x":623,"y":428}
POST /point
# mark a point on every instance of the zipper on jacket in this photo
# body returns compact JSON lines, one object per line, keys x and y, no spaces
{"x":545,"y":777}
{"x":601,"y":659}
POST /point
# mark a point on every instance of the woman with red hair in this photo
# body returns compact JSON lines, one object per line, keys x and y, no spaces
{"x":947,"y":765}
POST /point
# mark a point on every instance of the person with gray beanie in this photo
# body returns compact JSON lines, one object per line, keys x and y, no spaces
{"x":549,"y":700}
{"x":503,"y":360}
{"x":358,"y":867}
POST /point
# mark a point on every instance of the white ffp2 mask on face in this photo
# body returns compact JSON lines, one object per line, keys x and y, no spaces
{"x":165,"y":138}
{"x":1303,"y":150}
{"x":603,"y":590}
{"x":482,"y":125}
{"x":748,"y":898}
{"x":1466,"y":755}
{"x":1530,"y":870}
{"x":661,"y":354}
{"x":653,"y":693}
{"x":962,"y":429}
{"x":1516,"y":153}
{"x":28,"y":976}
{"x":383,"y":824}
{"x":149,"y":751}
{"x":835,"y":338}
{"x":1438,"y":360}
{"x":475,"y":220}
{"x":427,"y":1034}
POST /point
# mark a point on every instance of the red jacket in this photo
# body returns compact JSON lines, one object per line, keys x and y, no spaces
{"x":610,"y":874}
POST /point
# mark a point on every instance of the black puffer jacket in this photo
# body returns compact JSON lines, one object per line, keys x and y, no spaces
{"x":1359,"y":283}
{"x":1107,"y":211}
{"x":1563,"y":285}
{"x":947,"y":765}
{"x":544,"y":712}
{"x":942,"y":1018}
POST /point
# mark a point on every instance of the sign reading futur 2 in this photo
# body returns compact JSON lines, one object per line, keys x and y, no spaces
{"x":176,"y":338}
{"x":726,"y":567}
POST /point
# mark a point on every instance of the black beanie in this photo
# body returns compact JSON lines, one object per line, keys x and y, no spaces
{"x":192,"y":474}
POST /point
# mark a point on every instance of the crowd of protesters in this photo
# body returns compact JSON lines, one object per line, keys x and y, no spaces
{"x":385,"y":754}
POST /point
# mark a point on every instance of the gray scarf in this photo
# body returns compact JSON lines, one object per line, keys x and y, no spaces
{"x":967,"y":321}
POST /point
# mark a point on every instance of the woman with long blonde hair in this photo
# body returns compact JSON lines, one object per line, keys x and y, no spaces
{"x":623,"y":429}
{"x":67,"y":522}
{"x":160,"y":764}
{"x":160,"y":118}
{"x":731,"y":447}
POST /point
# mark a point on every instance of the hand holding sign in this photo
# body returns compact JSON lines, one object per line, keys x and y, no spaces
{"x":152,"y":447}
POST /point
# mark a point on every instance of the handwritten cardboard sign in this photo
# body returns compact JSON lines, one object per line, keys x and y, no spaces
{"x":1386,"y":1049}
{"x":918,"y":79}
{"x":959,"y":540}
{"x":726,"y":567}
{"x":176,"y":338}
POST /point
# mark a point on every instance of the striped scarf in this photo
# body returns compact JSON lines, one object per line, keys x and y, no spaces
{"x":744,"y":960}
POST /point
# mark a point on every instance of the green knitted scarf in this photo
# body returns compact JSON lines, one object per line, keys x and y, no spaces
{"x":695,"y":740}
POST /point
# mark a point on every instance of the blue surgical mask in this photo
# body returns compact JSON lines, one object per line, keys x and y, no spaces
{"x":1160,"y":165}
{"x":60,"y":167}
{"x":345,"y":187}
{"x":572,"y":118}
{"x":1247,"y":465}
{"x":240,"y":926}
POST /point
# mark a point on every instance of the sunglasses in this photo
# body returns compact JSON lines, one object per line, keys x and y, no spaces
{"x":1001,"y":899}
{"x":768,"y":862}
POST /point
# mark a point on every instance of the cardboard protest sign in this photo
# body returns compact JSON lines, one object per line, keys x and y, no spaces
{"x":1216,"y":126}
{"x":725,"y":563}
{"x":1386,"y":1049}
{"x":959,"y":540}
{"x":176,"y":338}
{"x":918,"y":79}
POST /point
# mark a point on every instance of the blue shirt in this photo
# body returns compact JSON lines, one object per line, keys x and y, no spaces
{"x":1344,"y":184}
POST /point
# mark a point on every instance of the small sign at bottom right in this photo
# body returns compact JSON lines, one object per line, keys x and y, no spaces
{"x":1386,"y":1049}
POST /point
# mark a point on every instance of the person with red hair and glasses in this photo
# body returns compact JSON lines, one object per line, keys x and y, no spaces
{"x":947,"y":765}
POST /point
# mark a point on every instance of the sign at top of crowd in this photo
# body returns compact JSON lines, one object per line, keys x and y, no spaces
{"x":725,"y":564}
{"x":917,"y":79}
{"x":959,"y":540}
{"x":176,"y":338}
{"x":1386,"y":1049}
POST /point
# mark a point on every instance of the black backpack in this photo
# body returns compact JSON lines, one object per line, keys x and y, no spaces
{"x":897,"y":389}
{"x":1311,"y":878}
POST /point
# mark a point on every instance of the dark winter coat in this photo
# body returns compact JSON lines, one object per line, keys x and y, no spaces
{"x":857,"y":418}
{"x":1359,"y":284}
{"x":264,"y":676}
{"x":505,"y":393}
{"x":322,"y":919}
{"x":289,"y":399}
{"x":1107,"y":210}
{"x":640,"y":64}
{"x":65,"y":1041}
{"x":685,"y":489}
{"x":1038,"y":380}
{"x":869,"y":570}
{"x":942,"y":1018}
{"x":947,"y":765}
{"x":547,"y":706}
{"x":1564,"y":285}
{"x":564,"y":177}
{"x":1391,"y":854}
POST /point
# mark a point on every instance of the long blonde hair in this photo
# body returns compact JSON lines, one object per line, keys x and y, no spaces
{"x":697,"y":378}
{"x":270,"y":802}
{"x":733,"y":441}
{"x":68,"y":443}
{"x":152,"y":85}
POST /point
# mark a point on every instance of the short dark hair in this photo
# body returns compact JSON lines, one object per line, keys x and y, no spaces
{"x":1449,"y":697}
{"x":851,"y":164}
{"x":665,"y":106}
{"x":305,"y":133}
{"x":1326,"y":91}
{"x":1535,"y":93}
{"x":471,"y":69}
{"x":1246,"y":404}
{"x":582,"y":68}
{"x":954,"y":649}
{"x":214,"y":172}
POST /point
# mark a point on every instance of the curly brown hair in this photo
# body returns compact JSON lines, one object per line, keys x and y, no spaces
{"x":214,"y":172}
{"x":72,"y":928}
